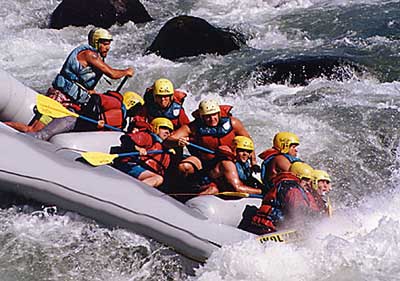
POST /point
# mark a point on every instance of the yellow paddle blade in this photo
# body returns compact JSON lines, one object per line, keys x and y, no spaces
{"x":52,"y":108}
{"x":234,"y":194}
{"x":329,"y":207}
{"x":98,"y":158}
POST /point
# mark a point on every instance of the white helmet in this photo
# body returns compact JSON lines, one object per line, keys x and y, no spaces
{"x":207,"y":107}
{"x":96,"y":35}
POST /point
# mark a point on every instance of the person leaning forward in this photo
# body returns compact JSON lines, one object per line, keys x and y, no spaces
{"x":290,"y":201}
{"x":213,"y":126}
{"x":78,"y":77}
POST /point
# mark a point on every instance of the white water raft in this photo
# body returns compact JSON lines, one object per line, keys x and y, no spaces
{"x":51,"y":172}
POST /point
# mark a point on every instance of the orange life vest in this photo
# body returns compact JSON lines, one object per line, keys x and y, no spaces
{"x":212,"y":137}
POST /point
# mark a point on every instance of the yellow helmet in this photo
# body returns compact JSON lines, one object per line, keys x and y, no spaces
{"x":207,"y":107}
{"x":301,"y":170}
{"x":283,"y":141}
{"x":243,"y":142}
{"x":158,"y":122}
{"x":163,"y":87}
{"x":320,"y":175}
{"x":131,"y":99}
{"x":97,"y":34}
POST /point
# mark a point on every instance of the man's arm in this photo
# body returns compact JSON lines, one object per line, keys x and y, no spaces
{"x":93,"y":59}
{"x":230,"y":174}
{"x":179,"y":137}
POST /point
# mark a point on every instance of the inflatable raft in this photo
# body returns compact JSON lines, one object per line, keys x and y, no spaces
{"x":54,"y":173}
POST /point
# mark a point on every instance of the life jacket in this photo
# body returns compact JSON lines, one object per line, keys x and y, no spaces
{"x":108,"y":107}
{"x":273,"y":202}
{"x":73,"y":73}
{"x":244,"y":170}
{"x":267,"y":157}
{"x":321,"y":203}
{"x":172,"y":112}
{"x":157,"y":163}
{"x":212,"y":137}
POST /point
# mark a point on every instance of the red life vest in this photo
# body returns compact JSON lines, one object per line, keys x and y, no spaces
{"x":212,"y":137}
{"x":271,"y":196}
{"x":113,"y":109}
{"x":157,"y":163}
{"x":111,"y":100}
{"x":268,"y":153}
{"x":108,"y":107}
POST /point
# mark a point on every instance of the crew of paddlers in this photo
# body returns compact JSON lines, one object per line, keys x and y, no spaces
{"x":221,"y":154}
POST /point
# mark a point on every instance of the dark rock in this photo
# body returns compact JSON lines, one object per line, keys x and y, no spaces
{"x":300,"y":70}
{"x":100,"y":13}
{"x":186,"y":36}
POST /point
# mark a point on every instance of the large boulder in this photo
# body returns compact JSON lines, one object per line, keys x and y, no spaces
{"x":100,"y":13}
{"x":300,"y":70}
{"x":186,"y":36}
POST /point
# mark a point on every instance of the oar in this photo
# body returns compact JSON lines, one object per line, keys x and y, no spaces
{"x":53,"y":108}
{"x":122,"y":84}
{"x":329,"y":207}
{"x":201,"y":148}
{"x":100,"y":158}
{"x":225,"y":193}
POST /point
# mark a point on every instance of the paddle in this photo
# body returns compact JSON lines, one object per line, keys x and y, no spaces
{"x":201,"y":148}
{"x":52,"y":108}
{"x":329,"y":207}
{"x":122,"y":84}
{"x":101,"y":158}
{"x":225,"y":193}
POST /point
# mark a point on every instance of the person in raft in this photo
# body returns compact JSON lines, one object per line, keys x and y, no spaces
{"x":78,"y":77}
{"x":233,"y":170}
{"x":213,"y":126}
{"x":162,"y":100}
{"x":148,"y":168}
{"x":290,"y":201}
{"x":278,"y":158}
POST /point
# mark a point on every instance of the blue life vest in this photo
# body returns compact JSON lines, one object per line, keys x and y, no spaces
{"x":268,"y":184}
{"x":243,"y":170}
{"x":73,"y":72}
{"x":171,"y":113}
{"x":156,"y":138}
{"x":224,"y":127}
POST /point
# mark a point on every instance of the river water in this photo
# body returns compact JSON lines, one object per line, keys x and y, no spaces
{"x":348,"y":128}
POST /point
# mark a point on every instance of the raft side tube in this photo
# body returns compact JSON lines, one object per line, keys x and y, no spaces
{"x":17,"y":101}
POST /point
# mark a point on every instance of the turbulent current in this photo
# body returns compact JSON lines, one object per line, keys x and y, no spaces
{"x":347,"y":127}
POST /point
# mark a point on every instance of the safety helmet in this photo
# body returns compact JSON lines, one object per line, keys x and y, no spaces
{"x":158,"y":122}
{"x":301,"y":170}
{"x":283,"y":141}
{"x":319,"y":175}
{"x":243,"y":142}
{"x":163,"y":87}
{"x":97,"y":34}
{"x":131,"y":99}
{"x":207,"y":107}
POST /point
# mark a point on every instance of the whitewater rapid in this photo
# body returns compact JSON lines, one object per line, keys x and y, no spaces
{"x":348,"y":128}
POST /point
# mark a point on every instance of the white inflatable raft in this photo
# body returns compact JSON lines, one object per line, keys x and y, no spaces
{"x":50,"y":172}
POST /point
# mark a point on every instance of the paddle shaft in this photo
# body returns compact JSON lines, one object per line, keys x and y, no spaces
{"x":97,"y":122}
{"x":226,"y":193}
{"x":201,"y":148}
{"x":122,"y":84}
{"x":135,"y":153}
